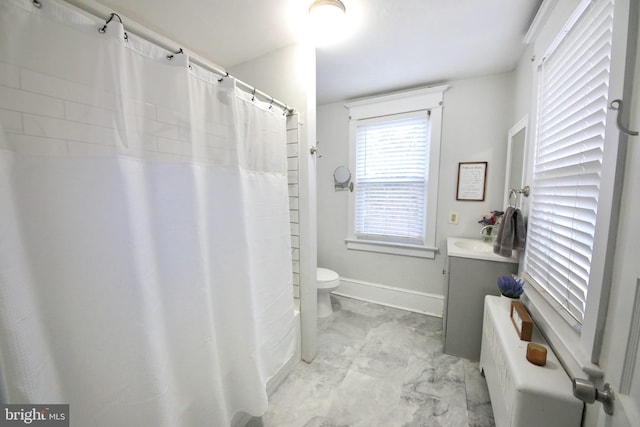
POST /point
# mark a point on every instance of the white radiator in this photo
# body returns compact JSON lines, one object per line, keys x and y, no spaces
{"x":523,"y":394}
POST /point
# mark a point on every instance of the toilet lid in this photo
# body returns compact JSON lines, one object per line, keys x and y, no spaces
{"x":326,"y":275}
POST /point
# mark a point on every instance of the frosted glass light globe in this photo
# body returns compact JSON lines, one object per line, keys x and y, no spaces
{"x":328,"y":21}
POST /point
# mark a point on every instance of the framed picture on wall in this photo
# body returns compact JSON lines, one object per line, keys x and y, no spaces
{"x":472,"y":181}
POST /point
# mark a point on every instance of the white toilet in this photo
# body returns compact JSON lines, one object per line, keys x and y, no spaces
{"x":327,"y":281}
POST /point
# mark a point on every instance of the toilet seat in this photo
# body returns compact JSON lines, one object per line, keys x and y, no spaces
{"x":326,"y":278}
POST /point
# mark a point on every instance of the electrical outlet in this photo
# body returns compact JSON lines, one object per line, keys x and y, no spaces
{"x":453,"y":218}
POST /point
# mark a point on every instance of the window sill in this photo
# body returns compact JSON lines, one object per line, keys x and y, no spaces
{"x":392,"y":248}
{"x":562,"y":337}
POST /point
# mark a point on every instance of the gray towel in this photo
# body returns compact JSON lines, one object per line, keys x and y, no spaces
{"x":511,"y":233}
{"x":520,"y":238}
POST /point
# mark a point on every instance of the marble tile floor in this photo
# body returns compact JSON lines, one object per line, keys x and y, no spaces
{"x":380,"y":367}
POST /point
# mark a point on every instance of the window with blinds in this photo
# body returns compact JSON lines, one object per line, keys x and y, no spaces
{"x":572,"y":107}
{"x":392,"y":156}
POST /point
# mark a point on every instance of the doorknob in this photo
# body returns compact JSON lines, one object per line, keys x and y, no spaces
{"x":586,"y":391}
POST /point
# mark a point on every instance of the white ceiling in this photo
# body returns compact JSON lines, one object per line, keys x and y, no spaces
{"x":395,"y":45}
{"x":408,"y":43}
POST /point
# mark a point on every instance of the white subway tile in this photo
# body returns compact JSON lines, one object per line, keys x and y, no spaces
{"x":165,"y":130}
{"x":295,"y":254}
{"x":296,"y":278}
{"x":292,"y":177}
{"x":170,"y":146}
{"x":292,"y":136}
{"x":293,"y":203}
{"x":86,"y":149}
{"x":58,"y":88}
{"x":36,"y":146}
{"x":140,"y":108}
{"x":292,"y":164}
{"x":294,"y":216}
{"x":295,"y":265}
{"x":27,"y":102}
{"x":295,"y":229}
{"x":149,"y":142}
{"x":11,"y":121}
{"x":175,"y":117}
{"x":90,"y":115}
{"x":9,"y":75}
{"x":166,"y":116}
{"x":295,"y":241}
{"x":292,"y":121}
{"x":64,"y":129}
{"x":293,"y":190}
{"x":296,"y":291}
{"x":187,"y":150}
{"x":292,"y":150}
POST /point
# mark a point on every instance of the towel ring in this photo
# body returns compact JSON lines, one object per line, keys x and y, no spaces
{"x":525,"y":191}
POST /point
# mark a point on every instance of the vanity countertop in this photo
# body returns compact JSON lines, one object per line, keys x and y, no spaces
{"x":475,"y":249}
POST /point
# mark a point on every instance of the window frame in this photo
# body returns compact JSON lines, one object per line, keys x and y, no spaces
{"x":578,"y":347}
{"x":569,"y":146}
{"x":429,"y":100}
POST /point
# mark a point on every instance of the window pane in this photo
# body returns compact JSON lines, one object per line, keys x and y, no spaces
{"x":391,"y":171}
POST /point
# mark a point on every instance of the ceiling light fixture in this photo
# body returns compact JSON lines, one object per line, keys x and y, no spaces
{"x":318,"y":4}
{"x":328,"y":21}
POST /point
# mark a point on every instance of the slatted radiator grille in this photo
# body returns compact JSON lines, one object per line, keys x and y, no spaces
{"x":523,"y":394}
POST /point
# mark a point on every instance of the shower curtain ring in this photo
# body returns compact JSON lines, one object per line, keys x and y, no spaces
{"x":253,"y":94}
{"x":170,"y":56}
{"x":271,"y":103}
{"x":104,"y":27}
{"x":37,"y":4}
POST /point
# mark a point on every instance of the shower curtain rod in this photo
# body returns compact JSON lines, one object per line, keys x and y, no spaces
{"x":97,"y":10}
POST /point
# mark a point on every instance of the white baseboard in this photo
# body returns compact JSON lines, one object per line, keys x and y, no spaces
{"x":405,"y":299}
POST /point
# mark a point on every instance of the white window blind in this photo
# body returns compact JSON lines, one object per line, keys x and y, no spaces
{"x":572,"y":108}
{"x":391,"y":178}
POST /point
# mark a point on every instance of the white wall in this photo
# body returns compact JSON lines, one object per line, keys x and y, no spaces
{"x":283,"y":74}
{"x":477,"y":115}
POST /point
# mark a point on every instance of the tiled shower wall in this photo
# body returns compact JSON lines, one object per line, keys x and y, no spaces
{"x":293,"y":151}
{"x":30,"y":100}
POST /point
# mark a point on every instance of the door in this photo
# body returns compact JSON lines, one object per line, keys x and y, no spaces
{"x":620,"y":358}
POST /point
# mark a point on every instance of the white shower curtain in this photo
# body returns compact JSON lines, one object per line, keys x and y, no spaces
{"x":145,"y":271}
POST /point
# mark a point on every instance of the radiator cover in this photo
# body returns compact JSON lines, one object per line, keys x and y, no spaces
{"x":523,"y":394}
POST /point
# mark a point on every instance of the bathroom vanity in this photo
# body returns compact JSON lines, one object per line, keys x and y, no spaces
{"x":473,"y":271}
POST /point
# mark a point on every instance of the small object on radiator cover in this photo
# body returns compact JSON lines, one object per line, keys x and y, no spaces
{"x":537,"y":354}
{"x":521,"y":321}
{"x":523,"y":394}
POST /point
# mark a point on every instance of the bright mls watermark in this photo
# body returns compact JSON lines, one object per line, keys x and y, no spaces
{"x":34,"y":415}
